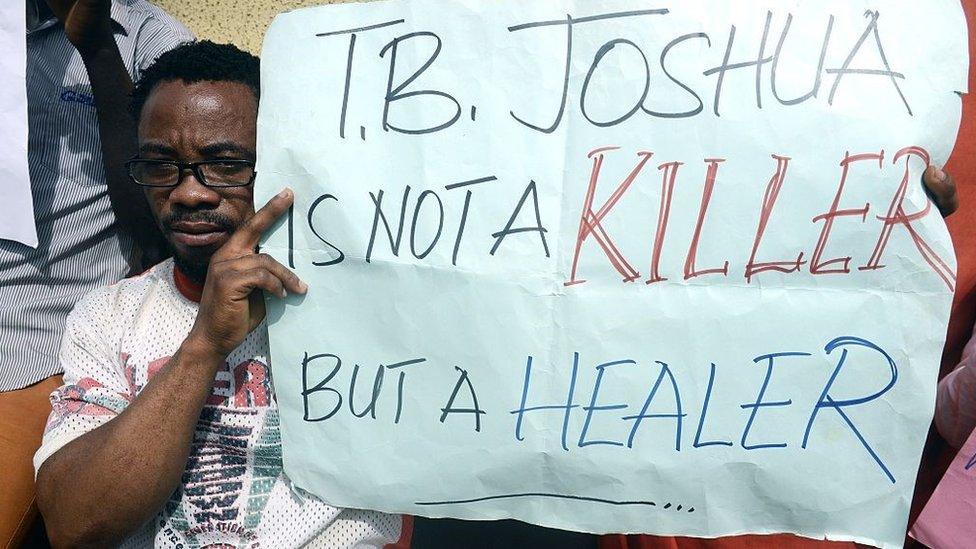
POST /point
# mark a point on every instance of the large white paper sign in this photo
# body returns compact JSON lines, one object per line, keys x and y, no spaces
{"x":613,"y":266}
{"x":16,"y":202}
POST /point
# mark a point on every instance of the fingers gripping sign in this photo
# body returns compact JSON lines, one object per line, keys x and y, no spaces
{"x":942,"y":188}
{"x":232,"y":305}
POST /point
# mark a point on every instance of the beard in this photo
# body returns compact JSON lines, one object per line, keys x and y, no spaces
{"x":194,"y":268}
{"x":194,"y":262}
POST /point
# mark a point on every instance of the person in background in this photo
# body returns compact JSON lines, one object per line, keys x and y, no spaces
{"x":955,"y":406}
{"x":166,"y":431}
{"x":82,"y":57}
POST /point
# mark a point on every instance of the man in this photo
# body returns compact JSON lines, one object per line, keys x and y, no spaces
{"x":82,"y":55}
{"x":166,"y":431}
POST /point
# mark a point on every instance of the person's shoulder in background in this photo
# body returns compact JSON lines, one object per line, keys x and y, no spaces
{"x":154,"y":30}
{"x":955,"y":408}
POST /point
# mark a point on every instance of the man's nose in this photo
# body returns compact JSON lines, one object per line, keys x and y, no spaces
{"x":192,"y":193}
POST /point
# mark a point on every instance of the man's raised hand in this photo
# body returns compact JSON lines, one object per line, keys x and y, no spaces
{"x":231,"y":306}
{"x":88,"y":23}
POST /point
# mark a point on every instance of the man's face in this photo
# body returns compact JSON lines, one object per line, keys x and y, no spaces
{"x":192,"y":123}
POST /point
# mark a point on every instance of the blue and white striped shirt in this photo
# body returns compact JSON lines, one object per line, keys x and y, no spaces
{"x":80,"y":247}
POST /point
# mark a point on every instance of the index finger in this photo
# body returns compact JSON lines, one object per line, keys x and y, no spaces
{"x":246,"y":238}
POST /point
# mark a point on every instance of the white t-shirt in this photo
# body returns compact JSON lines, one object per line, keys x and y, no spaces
{"x":233,"y":491}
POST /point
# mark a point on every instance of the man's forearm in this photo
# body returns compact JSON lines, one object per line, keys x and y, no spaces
{"x":111,"y":88}
{"x":122,"y":473}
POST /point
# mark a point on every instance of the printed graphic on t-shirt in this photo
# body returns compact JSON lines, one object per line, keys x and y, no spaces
{"x":224,"y":496}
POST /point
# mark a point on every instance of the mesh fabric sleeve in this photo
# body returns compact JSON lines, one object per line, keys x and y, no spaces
{"x":95,"y":388}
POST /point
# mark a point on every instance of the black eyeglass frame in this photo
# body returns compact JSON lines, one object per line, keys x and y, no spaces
{"x":193,"y":167}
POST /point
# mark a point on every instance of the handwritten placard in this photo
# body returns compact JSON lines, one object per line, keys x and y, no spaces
{"x":613,"y":266}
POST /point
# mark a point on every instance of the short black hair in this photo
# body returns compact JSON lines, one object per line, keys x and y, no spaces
{"x":200,"y":61}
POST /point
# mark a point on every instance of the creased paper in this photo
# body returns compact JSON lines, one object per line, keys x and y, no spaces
{"x":613,"y":266}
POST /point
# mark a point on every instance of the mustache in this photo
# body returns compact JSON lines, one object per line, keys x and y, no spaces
{"x":206,"y":216}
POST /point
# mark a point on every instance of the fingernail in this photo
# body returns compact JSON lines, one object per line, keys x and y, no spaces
{"x":284,"y":193}
{"x":303,"y":287}
{"x":940,"y":175}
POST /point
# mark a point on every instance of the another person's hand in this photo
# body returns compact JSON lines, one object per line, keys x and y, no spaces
{"x":231,"y":307}
{"x":942,"y":188}
{"x":88,"y":23}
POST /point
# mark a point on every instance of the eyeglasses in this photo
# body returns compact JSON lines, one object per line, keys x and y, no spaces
{"x":212,"y":173}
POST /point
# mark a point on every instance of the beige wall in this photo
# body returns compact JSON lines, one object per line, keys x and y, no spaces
{"x":240,"y":22}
